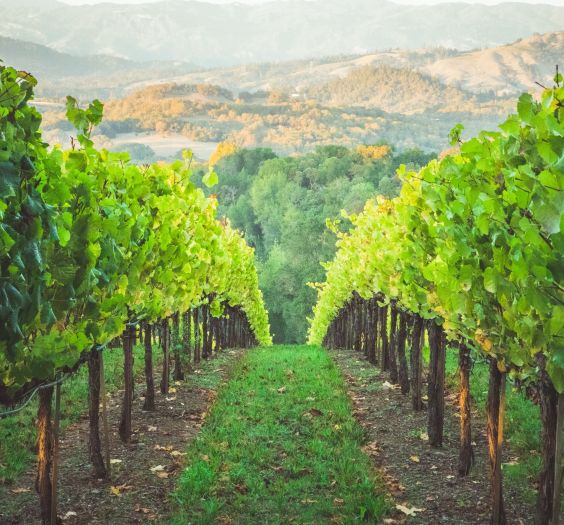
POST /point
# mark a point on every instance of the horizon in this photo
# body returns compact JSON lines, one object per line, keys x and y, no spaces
{"x":558,"y":3}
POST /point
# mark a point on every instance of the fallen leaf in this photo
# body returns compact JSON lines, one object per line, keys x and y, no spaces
{"x":20,"y":490}
{"x":424,"y":436}
{"x":172,"y":390}
{"x":177,"y":453}
{"x":204,"y":457}
{"x":151,"y":428}
{"x":69,"y":514}
{"x":163,"y":475}
{"x":282,"y":389}
{"x":309,"y":501}
{"x":160,"y":447}
{"x":415,"y":459}
{"x":115,"y":491}
{"x":408,"y":511}
{"x":115,"y":461}
{"x":338,"y":502}
{"x":158,"y":468}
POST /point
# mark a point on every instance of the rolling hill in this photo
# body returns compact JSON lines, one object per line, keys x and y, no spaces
{"x":89,"y":76}
{"x":209,"y":34}
{"x":503,"y":70}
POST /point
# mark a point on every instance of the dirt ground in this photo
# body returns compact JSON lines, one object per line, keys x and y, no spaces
{"x":418,"y":476}
{"x":144,"y":473}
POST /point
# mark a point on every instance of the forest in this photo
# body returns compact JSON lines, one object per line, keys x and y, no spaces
{"x":282,"y":204}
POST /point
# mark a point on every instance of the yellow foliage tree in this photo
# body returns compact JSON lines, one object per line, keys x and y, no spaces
{"x":224,"y":149}
{"x":374,"y":152}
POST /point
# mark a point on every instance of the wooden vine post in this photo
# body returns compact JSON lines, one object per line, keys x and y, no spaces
{"x":495,"y":410}
{"x":127,"y":404}
{"x":55,"y":469}
{"x":558,"y":462}
{"x":402,"y":359}
{"x":392,"y":344}
{"x":436,"y":385}
{"x":178,"y":374}
{"x":105,"y":421}
{"x":44,"y":450}
{"x":466,"y":453}
{"x":416,"y":364}
{"x":149,"y":403}
{"x":166,"y":358}
{"x":94,"y":444}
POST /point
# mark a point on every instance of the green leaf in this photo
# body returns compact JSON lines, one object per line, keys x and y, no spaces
{"x":210,"y":179}
{"x":490,"y":281}
{"x":525,"y":107}
{"x":76,"y":160}
{"x":9,"y":180}
{"x":555,"y":369}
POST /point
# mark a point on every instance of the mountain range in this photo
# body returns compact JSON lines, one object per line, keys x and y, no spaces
{"x":210,"y":35}
{"x":89,"y":76}
{"x":495,"y":72}
{"x":500,"y":71}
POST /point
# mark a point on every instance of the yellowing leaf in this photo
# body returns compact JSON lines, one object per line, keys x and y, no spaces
{"x":408,"y":511}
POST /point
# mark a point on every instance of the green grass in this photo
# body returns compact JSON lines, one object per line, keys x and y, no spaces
{"x":280,"y":446}
{"x":17,"y":433}
{"x":209,"y":372}
{"x":522,"y":428}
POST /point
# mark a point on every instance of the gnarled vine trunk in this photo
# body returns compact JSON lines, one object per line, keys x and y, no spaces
{"x":94,"y":442}
{"x":495,"y":411}
{"x":402,"y":337}
{"x":466,"y":453}
{"x":416,"y":364}
{"x":149,"y":403}
{"x":436,"y":385}
{"x":44,"y":453}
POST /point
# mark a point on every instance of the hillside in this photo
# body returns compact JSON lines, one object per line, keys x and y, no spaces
{"x":211,"y":114}
{"x":506,"y":69}
{"x":394,"y":90}
{"x":299,"y":74}
{"x":88,"y":76}
{"x":236,"y":33}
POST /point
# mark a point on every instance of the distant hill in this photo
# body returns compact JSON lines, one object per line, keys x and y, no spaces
{"x":503,"y":70}
{"x":391,"y":89}
{"x":209,"y":34}
{"x":506,"y":69}
{"x":98,"y":75}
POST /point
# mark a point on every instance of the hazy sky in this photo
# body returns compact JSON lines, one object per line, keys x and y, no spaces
{"x":553,"y":2}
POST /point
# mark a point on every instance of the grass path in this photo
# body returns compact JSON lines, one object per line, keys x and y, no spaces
{"x":280,"y":446}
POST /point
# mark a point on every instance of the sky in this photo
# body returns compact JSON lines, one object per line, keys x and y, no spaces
{"x":412,"y":2}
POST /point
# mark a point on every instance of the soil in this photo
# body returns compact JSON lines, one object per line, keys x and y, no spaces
{"x":144,"y":473}
{"x":418,"y":476}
